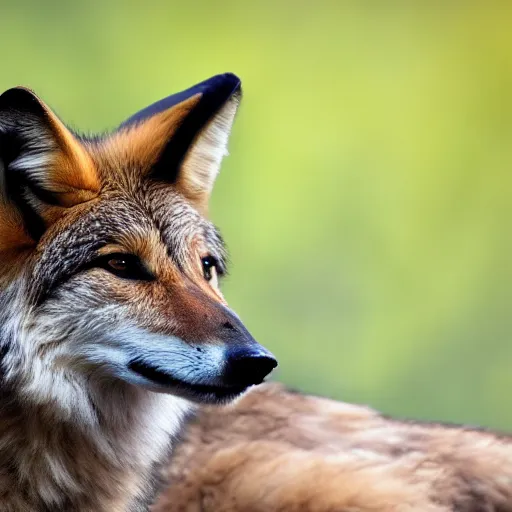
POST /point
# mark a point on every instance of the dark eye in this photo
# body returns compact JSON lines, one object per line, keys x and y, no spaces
{"x":209,"y":263}
{"x":126,"y":266}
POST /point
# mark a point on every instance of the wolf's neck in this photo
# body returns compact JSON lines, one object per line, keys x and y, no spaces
{"x":48,"y":463}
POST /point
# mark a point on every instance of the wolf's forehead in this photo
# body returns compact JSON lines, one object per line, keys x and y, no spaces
{"x":132,"y":222}
{"x":138,"y":216}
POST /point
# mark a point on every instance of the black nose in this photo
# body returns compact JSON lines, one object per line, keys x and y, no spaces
{"x":248,"y":367}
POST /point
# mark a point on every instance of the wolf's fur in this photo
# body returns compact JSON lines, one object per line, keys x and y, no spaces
{"x":274,"y":450}
{"x":96,"y":369}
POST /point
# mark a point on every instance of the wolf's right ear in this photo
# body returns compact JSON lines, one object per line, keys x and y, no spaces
{"x":182,"y":139}
{"x":43,"y":168}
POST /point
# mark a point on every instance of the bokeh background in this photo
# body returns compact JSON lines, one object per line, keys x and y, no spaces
{"x":367,"y":200}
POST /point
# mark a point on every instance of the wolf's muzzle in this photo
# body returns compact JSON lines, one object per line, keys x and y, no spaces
{"x":212,"y":371}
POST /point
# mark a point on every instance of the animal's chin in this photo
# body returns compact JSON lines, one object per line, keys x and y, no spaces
{"x":201,"y":393}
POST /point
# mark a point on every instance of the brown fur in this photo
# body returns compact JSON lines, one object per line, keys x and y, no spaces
{"x":141,"y":145}
{"x":274,"y":450}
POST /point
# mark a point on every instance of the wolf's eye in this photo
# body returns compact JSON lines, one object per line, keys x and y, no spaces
{"x":209,"y":263}
{"x":127,"y":266}
{"x":118,"y":264}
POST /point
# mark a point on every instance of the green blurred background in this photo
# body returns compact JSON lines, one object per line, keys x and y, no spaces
{"x":367,"y":200}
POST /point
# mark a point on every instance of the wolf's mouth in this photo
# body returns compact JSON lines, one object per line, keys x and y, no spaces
{"x":193,"y":391}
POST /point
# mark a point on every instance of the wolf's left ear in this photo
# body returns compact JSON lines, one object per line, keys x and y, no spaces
{"x":44,"y":169}
{"x":188,"y":134}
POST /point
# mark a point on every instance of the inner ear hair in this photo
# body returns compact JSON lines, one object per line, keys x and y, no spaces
{"x":201,"y":163}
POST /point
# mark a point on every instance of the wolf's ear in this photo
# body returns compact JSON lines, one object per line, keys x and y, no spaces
{"x":43,"y":168}
{"x":186,"y":135}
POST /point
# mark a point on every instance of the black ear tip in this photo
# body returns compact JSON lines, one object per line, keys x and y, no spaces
{"x":18,"y":98}
{"x":214,"y":91}
{"x":231,"y":80}
{"x":221,"y":86}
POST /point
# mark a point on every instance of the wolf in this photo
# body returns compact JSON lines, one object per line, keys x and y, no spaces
{"x":112,"y":322}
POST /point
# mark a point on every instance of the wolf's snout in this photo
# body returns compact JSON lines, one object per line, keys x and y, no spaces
{"x":246,"y":367}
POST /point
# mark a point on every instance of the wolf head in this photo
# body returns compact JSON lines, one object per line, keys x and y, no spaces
{"x":109,"y":268}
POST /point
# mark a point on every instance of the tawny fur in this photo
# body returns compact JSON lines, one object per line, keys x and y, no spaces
{"x":274,"y":450}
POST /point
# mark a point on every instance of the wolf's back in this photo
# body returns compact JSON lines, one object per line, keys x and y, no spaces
{"x":275,"y":450}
